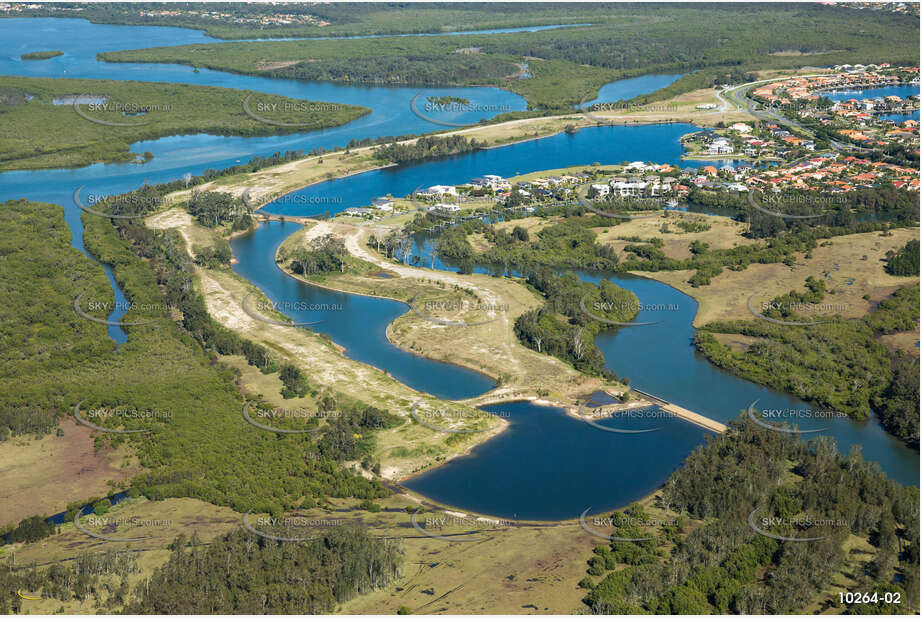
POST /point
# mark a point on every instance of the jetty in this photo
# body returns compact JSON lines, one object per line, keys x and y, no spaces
{"x":688,"y":415}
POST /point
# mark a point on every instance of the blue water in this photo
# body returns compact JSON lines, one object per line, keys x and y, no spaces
{"x":902,"y":92}
{"x":81,"y":41}
{"x":670,"y":369}
{"x":606,"y":145}
{"x":360,"y":325}
{"x":683,"y":376}
{"x":626,"y":89}
{"x":86,"y":509}
{"x":915,"y":115}
{"x":175,"y":156}
{"x":686,"y":378}
{"x":547,"y":465}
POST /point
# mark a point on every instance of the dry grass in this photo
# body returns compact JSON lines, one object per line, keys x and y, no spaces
{"x":489,"y":345}
{"x":184,"y":516}
{"x":514,"y":569}
{"x":906,"y":343}
{"x":267,"y":387}
{"x":533,"y":225}
{"x":724,"y":233}
{"x":839,"y":261}
{"x":195,"y":235}
{"x":736,"y":342}
{"x":66,"y":469}
{"x":326,"y":366}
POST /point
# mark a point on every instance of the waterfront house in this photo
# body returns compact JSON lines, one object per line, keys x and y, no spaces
{"x":382,"y":203}
{"x":439,"y":190}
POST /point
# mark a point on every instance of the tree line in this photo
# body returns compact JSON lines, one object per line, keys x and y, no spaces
{"x":712,"y":562}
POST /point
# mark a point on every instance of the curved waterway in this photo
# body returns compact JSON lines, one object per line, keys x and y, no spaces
{"x":547,"y":465}
{"x":359,"y":323}
{"x":661,"y":359}
{"x":605,"y":144}
{"x":176,"y":156}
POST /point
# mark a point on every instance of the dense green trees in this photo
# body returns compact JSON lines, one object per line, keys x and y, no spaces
{"x":562,"y":328}
{"x":838,"y":365}
{"x":852,"y":210}
{"x":570,"y":243}
{"x":42,"y":339}
{"x":215,"y":208}
{"x":725,"y":566}
{"x":325,"y":254}
{"x":239,"y":573}
{"x":713,"y":45}
{"x":426,"y":148}
{"x":905,"y":261}
{"x":31,"y":529}
{"x":294,"y":381}
{"x":41,"y":55}
{"x":103,"y":576}
{"x":52,"y":358}
{"x":36,"y":133}
{"x":207,"y":450}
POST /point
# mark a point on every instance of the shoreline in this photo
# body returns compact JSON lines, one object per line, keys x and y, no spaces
{"x":581,"y":122}
{"x":397,"y":486}
{"x":389,"y":339}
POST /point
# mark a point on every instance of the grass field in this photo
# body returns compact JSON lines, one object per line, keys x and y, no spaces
{"x":724,"y":233}
{"x":850,"y":265}
{"x":43,"y":475}
{"x":162,"y":520}
{"x":511,"y":567}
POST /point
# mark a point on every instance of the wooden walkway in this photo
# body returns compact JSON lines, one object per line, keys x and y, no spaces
{"x":693,"y":417}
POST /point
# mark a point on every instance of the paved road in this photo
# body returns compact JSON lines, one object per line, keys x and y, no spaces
{"x":739,"y":96}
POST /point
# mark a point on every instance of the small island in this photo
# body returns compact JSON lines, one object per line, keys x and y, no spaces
{"x":445,"y":100}
{"x":42,"y":55}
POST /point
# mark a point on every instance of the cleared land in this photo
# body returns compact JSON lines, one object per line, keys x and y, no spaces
{"x":724,"y":233}
{"x":44,"y":475}
{"x":850,"y":266}
{"x":325,"y":365}
{"x":488,"y":345}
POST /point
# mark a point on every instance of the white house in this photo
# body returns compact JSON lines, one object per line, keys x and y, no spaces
{"x":625,"y":189}
{"x":601,"y":190}
{"x":496,"y":183}
{"x":382,"y":203}
{"x":440,"y":190}
{"x":446,"y":207}
{"x":720,"y":145}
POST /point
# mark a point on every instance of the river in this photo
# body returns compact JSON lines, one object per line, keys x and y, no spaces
{"x":554,"y":475}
